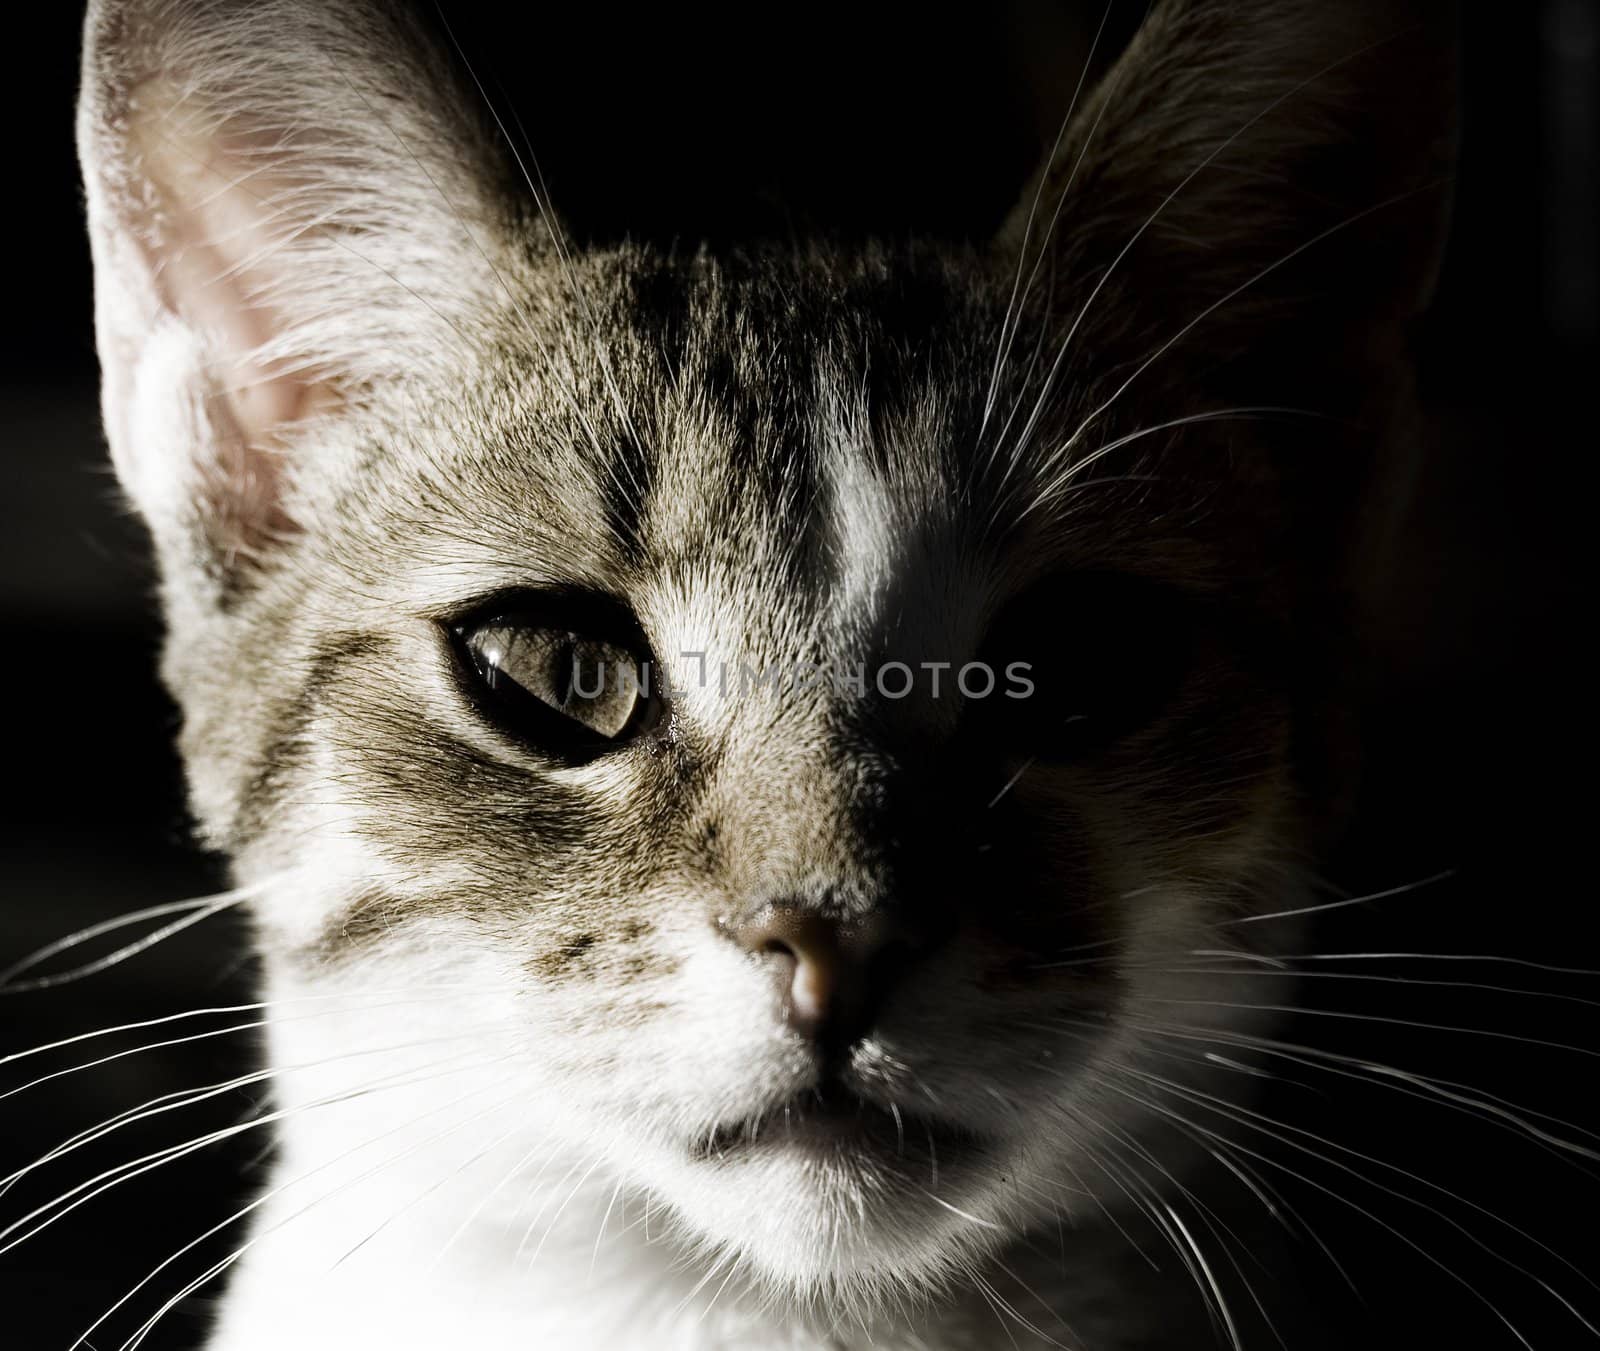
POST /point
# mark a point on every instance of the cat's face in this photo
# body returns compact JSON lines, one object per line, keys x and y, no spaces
{"x":959,"y":735}
{"x":797,"y":499}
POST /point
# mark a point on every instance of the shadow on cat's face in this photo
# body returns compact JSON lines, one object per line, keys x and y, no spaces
{"x":977,"y":593}
{"x":936,"y":786}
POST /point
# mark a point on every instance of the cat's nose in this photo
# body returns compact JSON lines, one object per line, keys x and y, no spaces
{"x":835,"y":972}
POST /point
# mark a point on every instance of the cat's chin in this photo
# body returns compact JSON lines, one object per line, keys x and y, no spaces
{"x":828,"y":1194}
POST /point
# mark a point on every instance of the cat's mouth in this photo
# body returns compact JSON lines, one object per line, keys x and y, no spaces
{"x":832,"y":1119}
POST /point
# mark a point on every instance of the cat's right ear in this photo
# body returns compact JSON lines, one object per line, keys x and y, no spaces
{"x":292,"y":204}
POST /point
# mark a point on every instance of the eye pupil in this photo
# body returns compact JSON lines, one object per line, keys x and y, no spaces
{"x":564,"y":673}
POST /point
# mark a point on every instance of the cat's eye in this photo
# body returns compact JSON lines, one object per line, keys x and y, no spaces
{"x":1095,"y":659}
{"x":569,"y":690}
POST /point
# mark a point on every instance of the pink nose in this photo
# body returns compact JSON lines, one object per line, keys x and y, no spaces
{"x":835,"y":972}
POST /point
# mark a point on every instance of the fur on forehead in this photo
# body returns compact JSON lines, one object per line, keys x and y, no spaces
{"x":285,"y":232}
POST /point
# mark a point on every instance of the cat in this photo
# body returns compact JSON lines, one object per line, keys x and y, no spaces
{"x":754,"y":770}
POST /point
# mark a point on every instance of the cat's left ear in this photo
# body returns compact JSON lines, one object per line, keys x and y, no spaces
{"x":292,"y":205}
{"x":1277,"y":171}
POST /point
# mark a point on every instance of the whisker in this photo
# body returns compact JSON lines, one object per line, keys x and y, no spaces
{"x":1372,"y":978}
{"x":1066,"y":344}
{"x":1253,"y":1120}
{"x":733,"y":1270}
{"x":1015,"y":303}
{"x":541,"y":199}
{"x":483,"y":1203}
{"x":1350,"y":220}
{"x":1065,"y":479}
{"x":227,"y":1010}
{"x":1486,"y":958}
{"x":103,"y":1182}
{"x":727,"y":1259}
{"x":600,"y":1233}
{"x":527,"y":1233}
{"x":1217,"y":1297}
{"x":1412,"y":1023}
{"x":1013,"y":780}
{"x":966,"y":1215}
{"x":1145,"y":1201}
{"x":1246,"y":1117}
{"x":1346,"y":1201}
{"x":159,"y":1106}
{"x":984,"y":1289}
{"x":424,"y":1194}
{"x":1094,"y":1157}
{"x":1212,"y":1222}
{"x":555,"y":1219}
{"x":206,"y":906}
{"x":1403,"y":889}
{"x":1474,"y":1102}
{"x":1002,"y":1305}
{"x":249,"y":1208}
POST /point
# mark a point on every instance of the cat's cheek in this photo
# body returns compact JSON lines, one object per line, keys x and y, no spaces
{"x":302,"y":907}
{"x":663,"y":1020}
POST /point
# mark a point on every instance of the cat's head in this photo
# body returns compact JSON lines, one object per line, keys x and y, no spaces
{"x":822,"y":693}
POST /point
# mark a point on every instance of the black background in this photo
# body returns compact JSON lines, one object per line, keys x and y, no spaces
{"x":1479,"y":726}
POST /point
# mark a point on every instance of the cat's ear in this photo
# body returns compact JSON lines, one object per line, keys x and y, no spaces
{"x":1252,"y":162}
{"x":292,"y":203}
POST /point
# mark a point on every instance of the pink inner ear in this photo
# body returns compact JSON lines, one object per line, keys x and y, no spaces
{"x":217,"y":249}
{"x":216,"y":292}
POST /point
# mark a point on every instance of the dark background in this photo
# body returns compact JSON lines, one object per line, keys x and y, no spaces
{"x":1478,"y":723}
